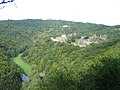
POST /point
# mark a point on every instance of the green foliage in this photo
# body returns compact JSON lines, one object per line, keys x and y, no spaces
{"x":67,"y":67}
{"x":9,"y":74}
{"x":72,"y":68}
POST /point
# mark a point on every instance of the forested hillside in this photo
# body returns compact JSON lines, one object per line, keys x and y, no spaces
{"x":62,"y":55}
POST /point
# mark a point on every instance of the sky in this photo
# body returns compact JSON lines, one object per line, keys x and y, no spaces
{"x":93,"y":11}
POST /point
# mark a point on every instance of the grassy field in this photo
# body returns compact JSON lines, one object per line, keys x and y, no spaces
{"x":26,"y":67}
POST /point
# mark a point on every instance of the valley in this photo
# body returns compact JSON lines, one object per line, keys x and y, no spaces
{"x":70,"y":55}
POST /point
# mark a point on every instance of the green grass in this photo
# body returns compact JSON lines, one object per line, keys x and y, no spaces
{"x":26,"y":67}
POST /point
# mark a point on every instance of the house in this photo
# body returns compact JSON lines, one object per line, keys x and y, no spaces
{"x":62,"y":39}
{"x":83,"y":41}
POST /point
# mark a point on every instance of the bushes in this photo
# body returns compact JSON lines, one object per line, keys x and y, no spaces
{"x":9,"y":76}
{"x":108,"y":74}
{"x":103,"y":74}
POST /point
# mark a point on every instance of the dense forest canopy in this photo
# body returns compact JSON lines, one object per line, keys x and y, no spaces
{"x":63,"y":55}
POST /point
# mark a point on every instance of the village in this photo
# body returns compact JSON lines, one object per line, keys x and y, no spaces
{"x":81,"y":42}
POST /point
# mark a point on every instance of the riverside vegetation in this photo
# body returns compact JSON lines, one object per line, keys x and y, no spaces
{"x":59,"y":55}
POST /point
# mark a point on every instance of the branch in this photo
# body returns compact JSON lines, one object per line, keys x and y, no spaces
{"x":4,"y":2}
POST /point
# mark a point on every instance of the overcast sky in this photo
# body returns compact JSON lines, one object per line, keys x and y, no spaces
{"x":94,"y":11}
